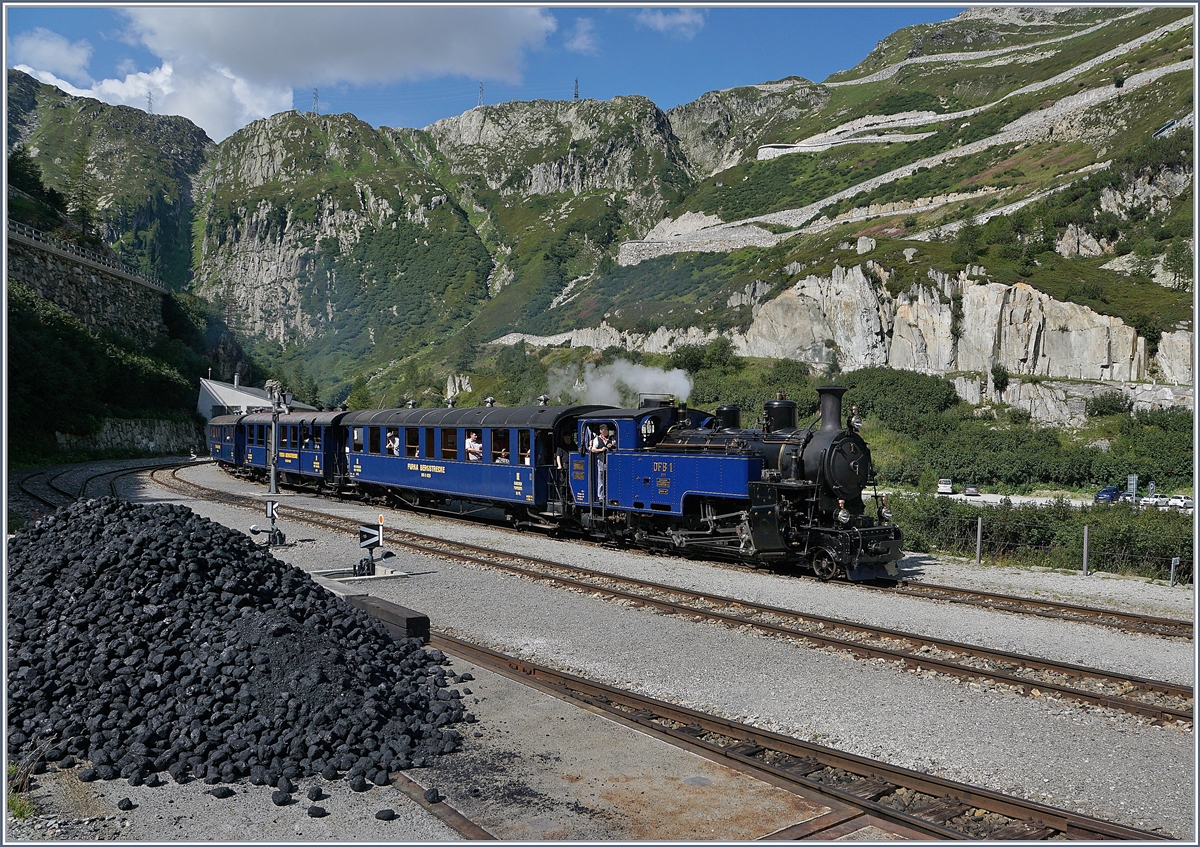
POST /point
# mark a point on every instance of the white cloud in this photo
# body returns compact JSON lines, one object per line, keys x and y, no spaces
{"x":268,"y":45}
{"x":48,"y":50}
{"x":583,"y":39}
{"x":681,"y":23}
{"x":222,"y":67}
{"x":212,"y":98}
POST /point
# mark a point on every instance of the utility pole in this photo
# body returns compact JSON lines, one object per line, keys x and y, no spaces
{"x":576,"y":88}
{"x":280,"y":400}
{"x":480,"y":93}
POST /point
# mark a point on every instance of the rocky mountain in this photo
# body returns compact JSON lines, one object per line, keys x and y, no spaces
{"x":1001,"y":190}
{"x":133,"y":169}
{"x":319,"y":232}
{"x":722,"y":129}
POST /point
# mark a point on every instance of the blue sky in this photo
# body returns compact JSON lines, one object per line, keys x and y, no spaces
{"x":223,"y":66}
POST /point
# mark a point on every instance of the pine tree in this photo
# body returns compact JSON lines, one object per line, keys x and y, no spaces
{"x":1178,"y":262}
{"x":81,"y":185}
{"x":360,"y":395}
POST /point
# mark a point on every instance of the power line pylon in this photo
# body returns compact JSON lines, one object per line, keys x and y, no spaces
{"x":316,"y":102}
{"x":480,"y":93}
{"x":576,"y":88}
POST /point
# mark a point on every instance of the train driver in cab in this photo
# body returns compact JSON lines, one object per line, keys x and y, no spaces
{"x":601,"y":444}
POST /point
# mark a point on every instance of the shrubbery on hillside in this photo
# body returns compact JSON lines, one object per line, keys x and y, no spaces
{"x":62,"y":378}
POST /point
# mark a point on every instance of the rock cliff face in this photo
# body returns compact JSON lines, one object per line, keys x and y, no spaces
{"x":948,"y":326}
{"x":723,"y":128}
{"x":321,"y":227}
{"x":546,"y":147}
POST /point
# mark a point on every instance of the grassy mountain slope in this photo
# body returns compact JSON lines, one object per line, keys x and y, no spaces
{"x":136,"y":169}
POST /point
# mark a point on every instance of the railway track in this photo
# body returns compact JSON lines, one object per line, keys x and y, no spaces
{"x":911,"y":804}
{"x":1161,"y":702}
{"x":50,"y":488}
{"x":1004,"y":603}
{"x":1128,"y":621}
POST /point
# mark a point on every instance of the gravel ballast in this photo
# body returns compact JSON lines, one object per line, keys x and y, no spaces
{"x":1103,"y":763}
{"x":1106,"y":764}
{"x":152,"y":643}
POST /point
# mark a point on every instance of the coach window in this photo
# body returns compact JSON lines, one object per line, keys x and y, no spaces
{"x":373,"y":440}
{"x":500,"y":449}
{"x":305,"y":437}
{"x":358,"y":439}
{"x":228,"y":432}
{"x":412,"y":442}
{"x":450,"y":444}
{"x":431,"y":451}
{"x":523,"y":446}
{"x":543,"y":447}
{"x":316,"y":437}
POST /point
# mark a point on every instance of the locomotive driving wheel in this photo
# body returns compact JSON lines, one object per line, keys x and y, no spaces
{"x":824,"y":566}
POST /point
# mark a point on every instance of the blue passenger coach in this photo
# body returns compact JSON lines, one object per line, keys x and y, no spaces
{"x":501,"y":455}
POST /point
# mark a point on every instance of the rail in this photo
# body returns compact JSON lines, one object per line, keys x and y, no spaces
{"x":28,"y":235}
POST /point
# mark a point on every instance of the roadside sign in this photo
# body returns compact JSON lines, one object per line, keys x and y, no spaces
{"x":1151,"y":487}
{"x":370,"y":536}
{"x":271,"y":509}
{"x":1131,"y":485}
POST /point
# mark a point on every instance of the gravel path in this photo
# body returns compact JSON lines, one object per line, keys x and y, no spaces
{"x":1103,"y":763}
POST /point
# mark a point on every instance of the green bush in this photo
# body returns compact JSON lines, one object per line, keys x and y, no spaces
{"x":1109,"y":403}
{"x":999,"y":377}
{"x":1120,"y":539}
{"x":62,"y":378}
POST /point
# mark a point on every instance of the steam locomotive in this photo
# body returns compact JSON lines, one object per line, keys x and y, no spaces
{"x":658,"y":476}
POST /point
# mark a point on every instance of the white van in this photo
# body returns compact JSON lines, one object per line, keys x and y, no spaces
{"x":945,"y":486}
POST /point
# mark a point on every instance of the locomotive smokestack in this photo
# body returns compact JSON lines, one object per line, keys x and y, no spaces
{"x":831,"y":406}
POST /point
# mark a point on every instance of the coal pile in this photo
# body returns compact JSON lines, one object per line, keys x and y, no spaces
{"x":147,"y":639}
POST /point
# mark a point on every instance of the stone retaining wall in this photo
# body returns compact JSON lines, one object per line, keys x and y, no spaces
{"x":100,"y":299}
{"x":151,"y":436}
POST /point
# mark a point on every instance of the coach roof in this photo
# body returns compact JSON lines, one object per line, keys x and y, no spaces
{"x":536,"y":417}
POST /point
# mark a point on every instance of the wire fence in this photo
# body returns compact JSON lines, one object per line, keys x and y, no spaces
{"x":1118,"y":540}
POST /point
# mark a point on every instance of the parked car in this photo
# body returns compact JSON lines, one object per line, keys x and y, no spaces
{"x":1159,"y":500}
{"x":971,"y":490}
{"x":945,"y":486}
{"x":1181,"y":502}
{"x":1126,"y":497}
{"x":1107,"y":494}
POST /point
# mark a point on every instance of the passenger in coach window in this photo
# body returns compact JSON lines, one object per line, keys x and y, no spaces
{"x":599,"y":447}
{"x":474,"y":447}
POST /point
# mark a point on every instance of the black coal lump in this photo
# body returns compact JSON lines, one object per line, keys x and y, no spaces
{"x":317,"y":811}
{"x":280,"y":798}
{"x":148,"y":639}
{"x":315,"y":793}
{"x":222,"y":792}
{"x":385,"y":814}
{"x":125,"y":804}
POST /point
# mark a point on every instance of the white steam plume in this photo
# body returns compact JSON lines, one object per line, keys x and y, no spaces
{"x":619,"y":383}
